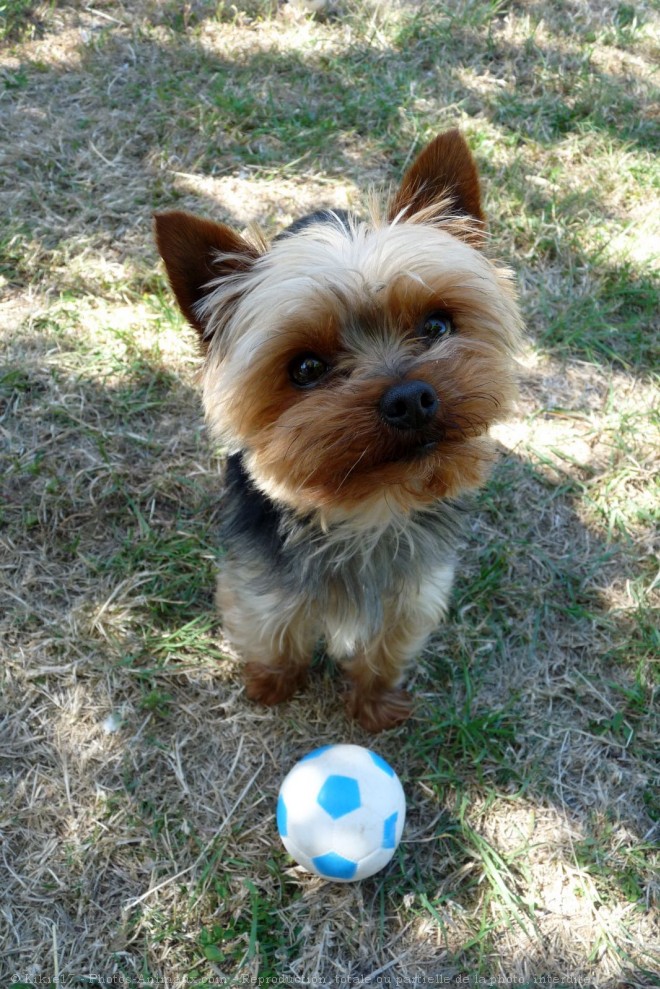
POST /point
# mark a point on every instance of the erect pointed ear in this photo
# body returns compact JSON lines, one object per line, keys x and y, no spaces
{"x":195,"y":252}
{"x":444,"y":171}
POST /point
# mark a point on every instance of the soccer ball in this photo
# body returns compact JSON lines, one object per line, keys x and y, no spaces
{"x":340,"y":812}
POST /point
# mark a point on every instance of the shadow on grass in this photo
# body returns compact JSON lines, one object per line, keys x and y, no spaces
{"x":545,"y":688}
{"x":140,"y":515}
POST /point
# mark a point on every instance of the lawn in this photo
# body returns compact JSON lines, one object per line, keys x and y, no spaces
{"x":138,"y":844}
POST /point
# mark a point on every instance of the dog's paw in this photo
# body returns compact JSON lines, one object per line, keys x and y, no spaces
{"x":377,"y":712}
{"x":272,"y":684}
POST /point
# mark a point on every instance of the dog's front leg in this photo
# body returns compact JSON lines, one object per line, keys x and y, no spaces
{"x":273,"y":635}
{"x":375,"y":697}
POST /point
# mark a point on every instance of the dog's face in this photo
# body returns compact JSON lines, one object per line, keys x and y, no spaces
{"x":358,"y":366}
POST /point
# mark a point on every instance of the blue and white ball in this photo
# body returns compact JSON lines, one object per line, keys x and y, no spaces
{"x":341,"y":812}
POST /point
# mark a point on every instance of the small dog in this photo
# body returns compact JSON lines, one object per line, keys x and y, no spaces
{"x":353,"y":370}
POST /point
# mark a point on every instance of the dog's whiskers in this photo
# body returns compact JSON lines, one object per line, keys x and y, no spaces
{"x":351,"y":469}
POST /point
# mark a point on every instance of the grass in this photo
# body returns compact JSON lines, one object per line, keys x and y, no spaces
{"x":137,"y":785}
{"x":16,"y":18}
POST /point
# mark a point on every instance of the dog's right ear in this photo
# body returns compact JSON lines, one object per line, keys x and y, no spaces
{"x":444,"y":174}
{"x":197,"y":252}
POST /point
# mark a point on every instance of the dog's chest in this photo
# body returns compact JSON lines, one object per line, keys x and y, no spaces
{"x":348,"y":578}
{"x":368,"y":595}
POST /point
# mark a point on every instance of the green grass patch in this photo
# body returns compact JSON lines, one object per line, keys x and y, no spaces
{"x":246,"y":936}
{"x":630,"y":864}
{"x":613,"y":318}
{"x":175,"y":568}
{"x":17,"y":19}
{"x":460,"y":745}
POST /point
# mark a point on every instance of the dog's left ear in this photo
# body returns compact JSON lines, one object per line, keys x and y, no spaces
{"x":195,"y":252}
{"x":444,"y":173}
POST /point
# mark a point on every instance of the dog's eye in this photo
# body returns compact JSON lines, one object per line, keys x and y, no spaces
{"x":306,"y":369}
{"x":436,"y":326}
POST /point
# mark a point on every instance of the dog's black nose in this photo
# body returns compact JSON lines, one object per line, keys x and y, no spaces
{"x":410,"y":405}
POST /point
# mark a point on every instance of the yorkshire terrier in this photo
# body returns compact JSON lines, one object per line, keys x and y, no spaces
{"x":352,"y":369}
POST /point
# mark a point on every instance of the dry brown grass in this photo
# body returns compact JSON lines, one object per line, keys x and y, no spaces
{"x":137,"y":785}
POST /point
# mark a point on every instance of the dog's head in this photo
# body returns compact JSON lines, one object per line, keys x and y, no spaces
{"x":357,"y":365}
